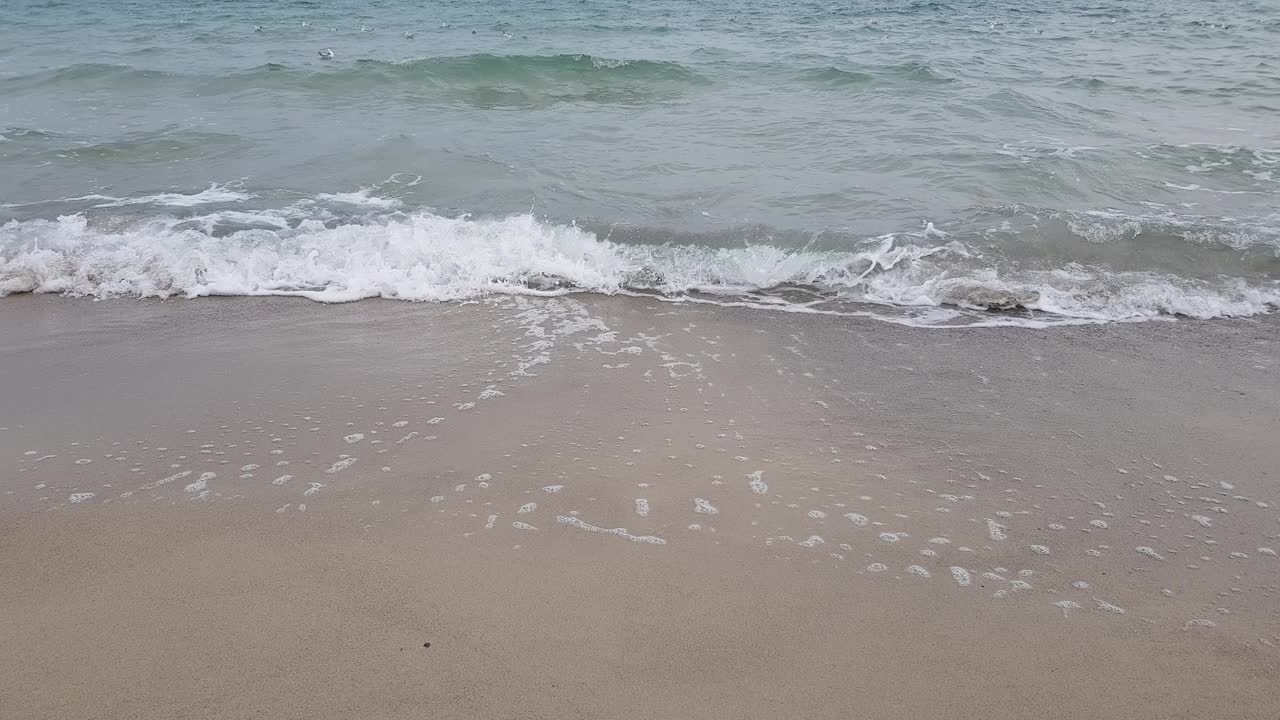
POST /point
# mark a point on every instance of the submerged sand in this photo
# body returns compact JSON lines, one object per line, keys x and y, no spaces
{"x":621,"y":507}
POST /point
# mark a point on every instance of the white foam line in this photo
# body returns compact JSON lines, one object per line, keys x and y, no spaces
{"x":165,"y":481}
{"x":620,"y":532}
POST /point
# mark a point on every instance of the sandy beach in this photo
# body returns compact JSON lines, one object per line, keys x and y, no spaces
{"x":621,"y":507}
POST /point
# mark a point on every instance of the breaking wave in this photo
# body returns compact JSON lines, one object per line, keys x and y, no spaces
{"x":920,"y":277}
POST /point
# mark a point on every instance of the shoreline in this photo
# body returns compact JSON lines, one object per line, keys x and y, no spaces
{"x":747,"y":435}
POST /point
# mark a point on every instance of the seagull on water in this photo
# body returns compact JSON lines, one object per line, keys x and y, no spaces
{"x":408,"y":35}
{"x":326,"y":54}
{"x":306,"y":24}
{"x":445,"y":25}
{"x":365,"y":28}
{"x":257,"y":28}
{"x":507,"y":36}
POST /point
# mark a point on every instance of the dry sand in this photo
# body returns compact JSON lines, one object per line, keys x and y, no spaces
{"x":240,"y":595}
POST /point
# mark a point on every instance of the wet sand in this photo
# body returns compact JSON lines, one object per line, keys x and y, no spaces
{"x":265,"y":508}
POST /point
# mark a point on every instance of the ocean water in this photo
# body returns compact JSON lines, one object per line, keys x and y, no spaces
{"x":931,"y":163}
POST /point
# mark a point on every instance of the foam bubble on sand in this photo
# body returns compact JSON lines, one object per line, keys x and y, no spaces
{"x":1226,"y":485}
{"x":1066,"y":605}
{"x":618,"y":532}
{"x":813,"y":541}
{"x":522,"y":526}
{"x":1040,"y":549}
{"x":249,"y":468}
{"x":939,"y":541}
{"x":489,"y":523}
{"x":702,"y":506}
{"x":1202,"y":520}
{"x":996,"y":531}
{"x":642,"y":507}
{"x":1080,"y":585}
{"x":282,"y":480}
{"x":756,"y":481}
{"x":437,"y":498}
{"x":313,"y":489}
{"x":918,"y":571}
{"x":1199,"y":623}
{"x":1239,"y":555}
{"x":1266,"y":551}
{"x":877,"y":567}
{"x":435,"y":421}
{"x":1108,"y":607}
{"x":892,"y":537}
{"x":341,"y":465}
{"x":80,"y":497}
{"x":527,"y":508}
{"x":552,"y":489}
{"x":1099,"y":524}
{"x":1149,"y":552}
{"x":83,"y":461}
{"x":816,"y":514}
{"x":353,"y":438}
{"x":857,"y":520}
{"x":201,"y":484}
{"x":961,"y":576}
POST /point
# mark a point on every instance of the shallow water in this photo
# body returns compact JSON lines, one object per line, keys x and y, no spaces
{"x":922,"y":162}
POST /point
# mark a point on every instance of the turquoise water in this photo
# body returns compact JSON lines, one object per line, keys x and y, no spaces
{"x":933,"y":163}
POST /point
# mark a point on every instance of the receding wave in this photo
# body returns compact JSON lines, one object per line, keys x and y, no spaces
{"x":919,"y":277}
{"x":835,"y":77}
{"x":485,"y":78}
{"x":82,"y":74}
{"x":529,"y":68}
{"x":480,"y":79}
